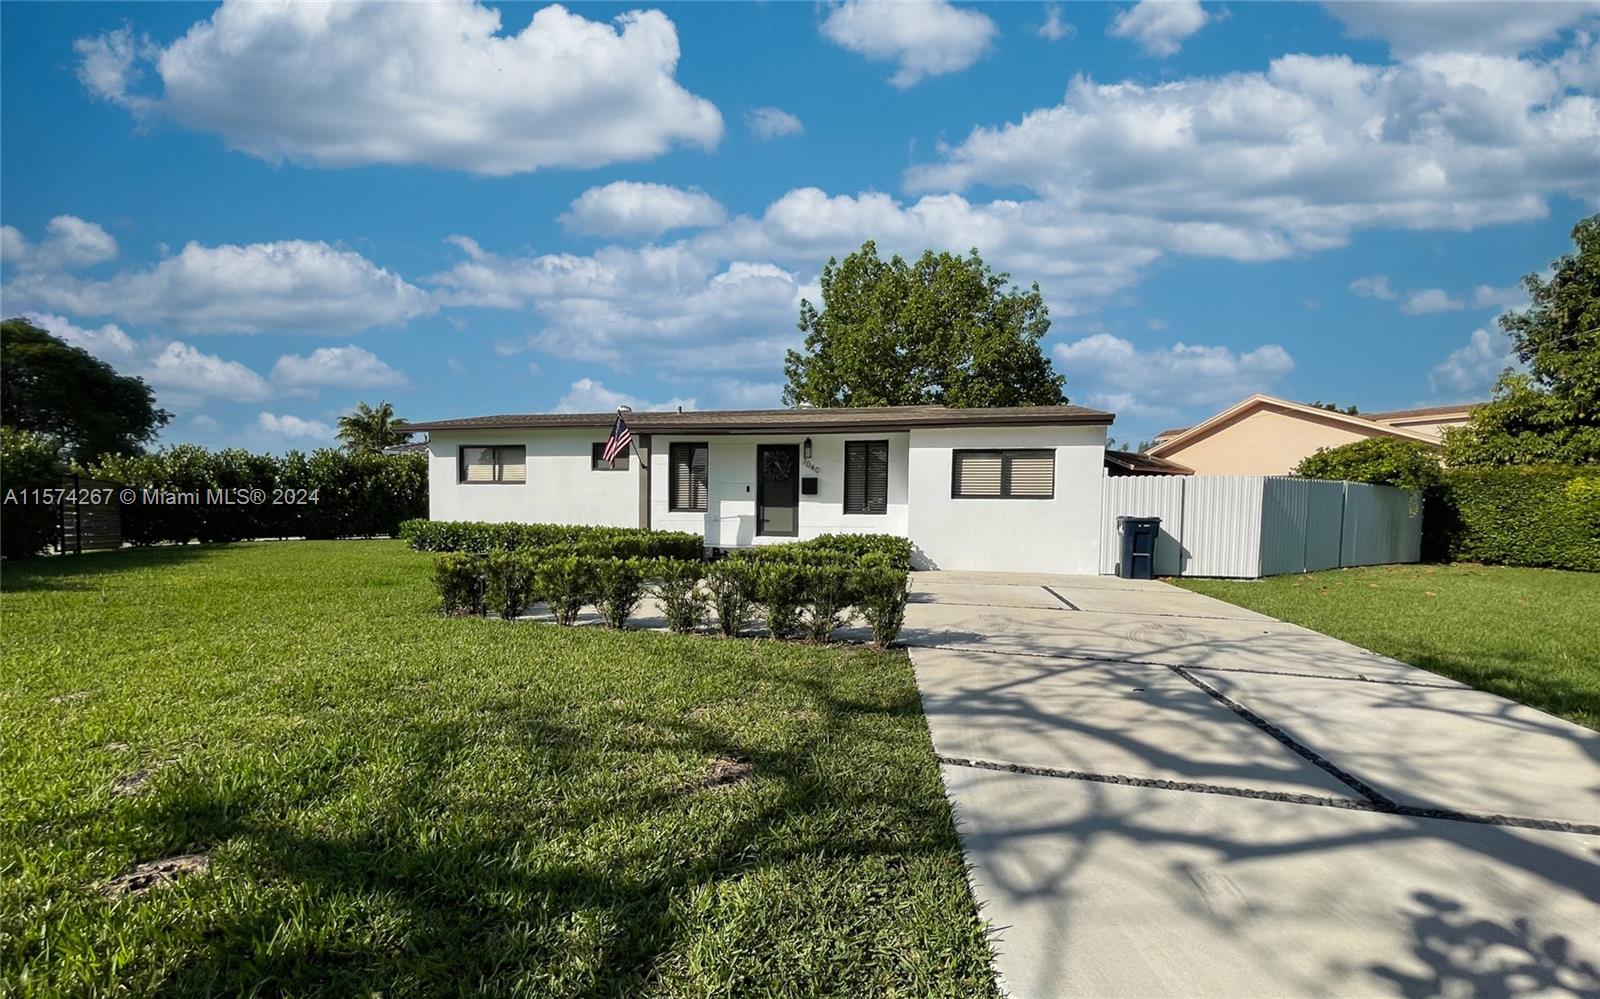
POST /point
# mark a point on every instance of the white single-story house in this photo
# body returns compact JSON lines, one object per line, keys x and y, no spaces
{"x":1015,"y":489}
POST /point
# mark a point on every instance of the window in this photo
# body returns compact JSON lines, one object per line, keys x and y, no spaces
{"x":866,"y":477}
{"x":1004,"y":474}
{"x":687,"y":477}
{"x":497,"y":463}
{"x":599,"y":464}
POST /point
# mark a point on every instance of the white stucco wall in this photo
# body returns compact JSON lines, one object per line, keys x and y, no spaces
{"x":1017,"y":535}
{"x":730,"y":516}
{"x":561,"y":486}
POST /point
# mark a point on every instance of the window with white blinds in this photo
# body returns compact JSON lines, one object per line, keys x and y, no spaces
{"x":866,"y":477}
{"x":494,"y":463}
{"x":688,"y":477}
{"x":1029,"y":474}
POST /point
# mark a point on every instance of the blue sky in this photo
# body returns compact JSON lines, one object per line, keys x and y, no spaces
{"x":272,"y":212}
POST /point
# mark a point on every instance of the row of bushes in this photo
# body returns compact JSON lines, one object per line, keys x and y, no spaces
{"x":28,"y":462}
{"x":617,"y":542}
{"x":850,"y":548}
{"x":324,"y":494}
{"x":790,"y":598}
{"x":1542,"y":516}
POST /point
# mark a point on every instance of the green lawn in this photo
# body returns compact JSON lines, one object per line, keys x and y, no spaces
{"x":400,"y":803}
{"x":1532,"y":635}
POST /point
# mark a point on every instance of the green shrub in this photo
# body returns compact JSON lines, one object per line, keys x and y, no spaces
{"x":828,"y":599}
{"x":459,"y":580}
{"x":831,"y":549}
{"x":508,"y":583}
{"x":567,"y":583}
{"x":881,"y":593}
{"x":599,"y":542}
{"x":676,"y":584}
{"x":28,"y":461}
{"x":781,"y":589}
{"x":1379,"y":461}
{"x":1537,"y":516}
{"x":733,"y":593}
{"x":618,"y":588}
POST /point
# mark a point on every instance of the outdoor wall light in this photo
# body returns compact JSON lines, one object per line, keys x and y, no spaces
{"x":805,"y":449}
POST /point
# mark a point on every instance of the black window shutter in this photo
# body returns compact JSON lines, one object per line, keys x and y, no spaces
{"x":878,"y":477}
{"x":866,"y":477}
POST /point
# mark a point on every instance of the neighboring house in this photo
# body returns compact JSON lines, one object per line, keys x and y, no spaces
{"x":1139,"y":463}
{"x":1006,"y":489}
{"x":1267,"y":436}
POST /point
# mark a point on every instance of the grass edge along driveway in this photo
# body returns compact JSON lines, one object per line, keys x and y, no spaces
{"x":1531,"y":635}
{"x":393,"y":801}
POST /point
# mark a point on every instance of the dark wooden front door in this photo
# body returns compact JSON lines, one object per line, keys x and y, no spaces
{"x":778,"y":489}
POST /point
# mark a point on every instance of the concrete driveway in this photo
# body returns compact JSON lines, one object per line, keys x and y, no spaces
{"x":1163,"y":794}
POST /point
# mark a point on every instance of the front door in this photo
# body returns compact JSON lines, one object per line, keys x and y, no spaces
{"x":778,"y":489}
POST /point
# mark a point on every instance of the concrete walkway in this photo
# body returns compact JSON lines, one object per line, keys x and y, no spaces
{"x":1162,"y":794}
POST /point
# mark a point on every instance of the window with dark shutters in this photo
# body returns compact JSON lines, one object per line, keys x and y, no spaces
{"x":1029,"y":474}
{"x":866,"y":477}
{"x":688,"y":477}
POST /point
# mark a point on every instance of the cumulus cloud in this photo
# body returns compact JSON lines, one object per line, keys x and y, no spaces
{"x":589,"y":396}
{"x":181,"y":375}
{"x":69,"y":243}
{"x":923,"y":39}
{"x":1295,"y":159}
{"x":1425,"y":300}
{"x":1469,"y":372}
{"x":1111,"y":373}
{"x":294,"y":427}
{"x":1445,"y":25}
{"x":347,"y":84}
{"x":628,"y":208}
{"x":290,"y":286}
{"x":336,"y":367}
{"x":1054,"y":28}
{"x":1159,"y":26}
{"x":1374,"y":286}
{"x":773,"y":123}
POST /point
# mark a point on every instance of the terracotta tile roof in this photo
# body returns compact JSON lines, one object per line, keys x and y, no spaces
{"x":791,"y":420}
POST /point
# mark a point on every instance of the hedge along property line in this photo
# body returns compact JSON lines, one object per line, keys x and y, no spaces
{"x":1535,"y":516}
{"x":812,"y":597}
{"x":614,"y":542}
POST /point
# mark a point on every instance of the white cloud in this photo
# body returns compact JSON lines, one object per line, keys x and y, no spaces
{"x":345,"y":84}
{"x":1374,"y":286}
{"x":1471,"y":371}
{"x":773,"y":123}
{"x":1265,"y":165}
{"x":1111,"y":373}
{"x":1430,"y":300}
{"x":629,"y":208}
{"x":589,"y":396}
{"x":1054,"y":28}
{"x":290,"y":286}
{"x":294,"y":427}
{"x":1159,"y":26}
{"x":69,"y":243}
{"x":182,"y":376}
{"x":927,"y":38}
{"x":336,"y":367}
{"x":1448,"y":25}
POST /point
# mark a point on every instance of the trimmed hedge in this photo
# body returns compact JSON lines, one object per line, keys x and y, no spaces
{"x":613,"y":542}
{"x":1537,"y":516}
{"x":28,"y":461}
{"x":814,"y":599}
{"x":834,"y":549}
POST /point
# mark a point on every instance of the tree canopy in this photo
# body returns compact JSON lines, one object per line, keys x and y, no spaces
{"x":369,"y":430}
{"x":51,"y":387}
{"x":943,"y":330}
{"x":1551,"y":412}
{"x":1381,"y":461}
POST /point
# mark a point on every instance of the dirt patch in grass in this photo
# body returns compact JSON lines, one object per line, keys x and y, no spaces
{"x":143,"y":877}
{"x":725,"y":772}
{"x":76,"y":695}
{"x":133,"y":784}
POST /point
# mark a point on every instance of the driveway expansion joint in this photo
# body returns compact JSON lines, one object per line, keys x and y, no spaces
{"x":1070,"y":604}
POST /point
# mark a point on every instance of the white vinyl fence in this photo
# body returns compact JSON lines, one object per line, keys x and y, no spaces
{"x":1246,"y":526}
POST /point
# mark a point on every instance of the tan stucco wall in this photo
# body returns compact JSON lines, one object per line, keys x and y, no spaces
{"x":1263,"y":441}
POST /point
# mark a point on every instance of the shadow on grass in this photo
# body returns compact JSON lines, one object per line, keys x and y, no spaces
{"x":80,"y":572}
{"x":467,"y":901}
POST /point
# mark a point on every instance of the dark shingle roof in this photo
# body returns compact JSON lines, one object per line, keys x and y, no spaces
{"x":1401,"y":414}
{"x":1139,"y":463}
{"x":791,"y":420}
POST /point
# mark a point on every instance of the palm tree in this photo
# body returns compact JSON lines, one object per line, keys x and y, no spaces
{"x":370,"y":429}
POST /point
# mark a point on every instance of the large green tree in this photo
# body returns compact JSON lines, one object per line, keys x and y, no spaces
{"x":51,"y":387}
{"x":942,"y":330}
{"x":1551,"y":412}
{"x":368,"y":429}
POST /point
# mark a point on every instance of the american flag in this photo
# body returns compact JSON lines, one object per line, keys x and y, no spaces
{"x":618,"y":442}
